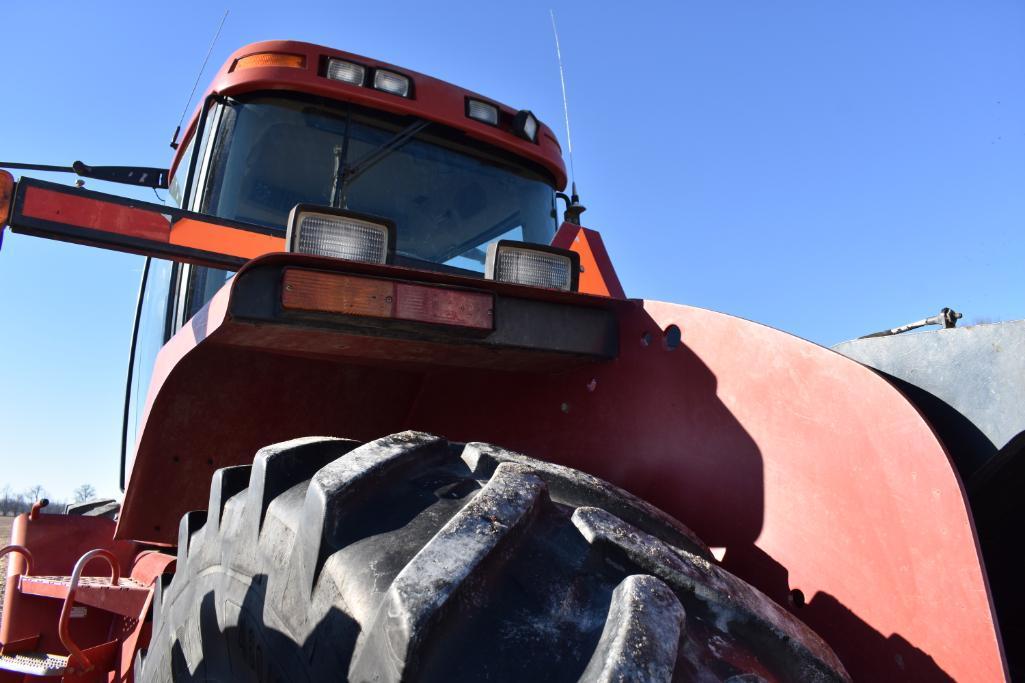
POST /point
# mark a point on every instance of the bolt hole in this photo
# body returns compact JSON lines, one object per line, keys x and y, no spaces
{"x":209,"y":461}
{"x":672,"y":337}
{"x":797,"y":598}
{"x":646,"y":339}
{"x":175,"y":458}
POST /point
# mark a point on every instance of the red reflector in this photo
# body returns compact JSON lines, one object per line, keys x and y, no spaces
{"x":308,"y":290}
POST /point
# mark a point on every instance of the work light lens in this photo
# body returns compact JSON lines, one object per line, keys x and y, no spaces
{"x":341,"y":70}
{"x":528,"y":265}
{"x":482,"y":111}
{"x":338,"y":236}
{"x":525,"y":125}
{"x":391,"y":82}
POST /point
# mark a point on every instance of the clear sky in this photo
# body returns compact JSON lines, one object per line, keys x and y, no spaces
{"x":826,"y":168}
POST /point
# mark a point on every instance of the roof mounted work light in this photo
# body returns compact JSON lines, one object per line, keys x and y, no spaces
{"x":391,"y":82}
{"x":525,"y":125}
{"x":340,"y":233}
{"x":347,"y":72}
{"x":482,"y":111}
{"x":535,"y":265}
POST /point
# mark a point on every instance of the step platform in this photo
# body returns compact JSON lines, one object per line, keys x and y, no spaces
{"x":127,"y":598}
{"x":35,"y":664}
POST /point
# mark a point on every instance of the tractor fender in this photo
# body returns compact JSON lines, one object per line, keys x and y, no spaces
{"x":812,"y":477}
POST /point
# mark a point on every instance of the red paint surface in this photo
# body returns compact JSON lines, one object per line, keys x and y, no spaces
{"x":95,"y":214}
{"x":118,"y":219}
{"x":434,"y":100}
{"x":810,"y":470}
{"x":597,"y":274}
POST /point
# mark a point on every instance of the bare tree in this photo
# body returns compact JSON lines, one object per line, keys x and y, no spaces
{"x":13,"y":503}
{"x":84,"y":492}
{"x":35,"y":493}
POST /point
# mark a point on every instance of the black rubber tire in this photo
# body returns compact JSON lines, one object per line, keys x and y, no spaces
{"x":97,"y":507}
{"x":410,"y":558}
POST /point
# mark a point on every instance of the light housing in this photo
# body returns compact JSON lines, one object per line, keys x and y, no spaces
{"x":269,"y":59}
{"x":485,"y":112}
{"x":534,"y":265}
{"x":525,"y":125}
{"x":368,"y":297}
{"x":6,"y":190}
{"x":392,"y":83}
{"x":340,"y":233}
{"x":346,"y":71}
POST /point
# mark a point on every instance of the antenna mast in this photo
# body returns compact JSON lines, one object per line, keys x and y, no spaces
{"x":178,"y":128}
{"x":573,"y":206}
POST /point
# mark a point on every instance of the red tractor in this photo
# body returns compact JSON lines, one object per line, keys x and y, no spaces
{"x":363,"y":257}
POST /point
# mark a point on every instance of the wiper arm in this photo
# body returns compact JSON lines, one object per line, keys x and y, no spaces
{"x":145,"y":176}
{"x":346,"y":173}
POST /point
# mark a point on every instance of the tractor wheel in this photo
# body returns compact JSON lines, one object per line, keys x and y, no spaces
{"x":97,"y":507}
{"x":410,"y":558}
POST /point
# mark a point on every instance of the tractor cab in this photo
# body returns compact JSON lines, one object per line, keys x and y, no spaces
{"x":448,"y":196}
{"x":288,"y":124}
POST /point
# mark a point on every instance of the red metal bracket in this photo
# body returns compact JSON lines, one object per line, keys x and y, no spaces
{"x":597,"y":275}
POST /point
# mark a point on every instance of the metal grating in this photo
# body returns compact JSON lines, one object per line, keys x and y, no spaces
{"x":35,"y":664}
{"x":101,"y":581}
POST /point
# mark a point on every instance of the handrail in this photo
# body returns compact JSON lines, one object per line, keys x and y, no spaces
{"x":76,"y":657}
{"x":36,"y":507}
{"x":21,"y":550}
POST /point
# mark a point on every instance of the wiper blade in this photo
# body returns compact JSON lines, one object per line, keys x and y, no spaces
{"x":349,"y":172}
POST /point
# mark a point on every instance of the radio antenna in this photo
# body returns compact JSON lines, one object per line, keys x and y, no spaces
{"x":573,"y":206}
{"x":178,"y":128}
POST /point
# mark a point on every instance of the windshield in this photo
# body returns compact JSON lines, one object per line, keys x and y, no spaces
{"x":448,"y":197}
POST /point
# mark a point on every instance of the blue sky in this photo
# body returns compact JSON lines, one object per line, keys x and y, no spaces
{"x":826,"y":168}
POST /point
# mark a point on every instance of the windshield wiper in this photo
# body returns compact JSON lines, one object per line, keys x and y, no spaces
{"x":345,"y":172}
{"x":145,"y":176}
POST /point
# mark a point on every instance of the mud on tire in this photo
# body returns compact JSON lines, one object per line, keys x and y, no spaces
{"x":411,"y":558}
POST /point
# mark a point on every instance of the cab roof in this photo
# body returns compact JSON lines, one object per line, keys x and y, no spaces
{"x":431,"y":99}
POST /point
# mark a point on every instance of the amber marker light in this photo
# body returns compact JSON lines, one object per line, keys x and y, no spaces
{"x":269,"y":59}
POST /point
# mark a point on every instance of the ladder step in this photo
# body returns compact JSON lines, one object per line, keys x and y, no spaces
{"x":126,"y":598}
{"x":35,"y":664}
